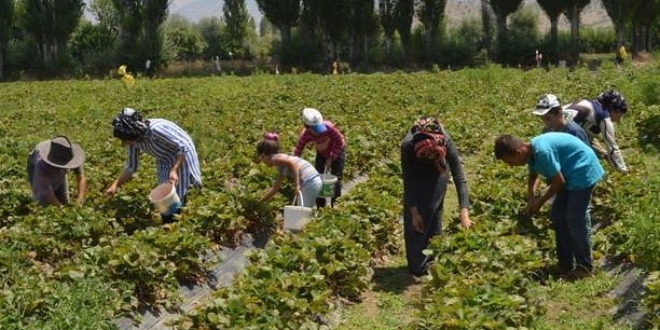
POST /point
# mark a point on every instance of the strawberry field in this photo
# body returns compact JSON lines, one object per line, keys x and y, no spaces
{"x":81,"y":267}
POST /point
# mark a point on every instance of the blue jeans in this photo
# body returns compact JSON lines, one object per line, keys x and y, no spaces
{"x":569,"y":216}
{"x":310,"y":190}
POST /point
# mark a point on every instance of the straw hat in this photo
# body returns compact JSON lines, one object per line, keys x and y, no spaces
{"x":61,"y":153}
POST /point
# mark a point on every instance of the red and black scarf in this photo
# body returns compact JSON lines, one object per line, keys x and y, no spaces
{"x":428,"y":137}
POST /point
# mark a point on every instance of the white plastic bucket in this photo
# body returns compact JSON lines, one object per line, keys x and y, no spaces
{"x":328,"y":187}
{"x":295,"y":217}
{"x":165,"y":198}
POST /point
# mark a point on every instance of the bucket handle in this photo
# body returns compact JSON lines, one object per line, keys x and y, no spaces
{"x":302,"y":203}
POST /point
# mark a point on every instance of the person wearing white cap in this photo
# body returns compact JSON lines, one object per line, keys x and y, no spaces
{"x":330,"y":148}
{"x":550,"y":111}
{"x":47,"y":167}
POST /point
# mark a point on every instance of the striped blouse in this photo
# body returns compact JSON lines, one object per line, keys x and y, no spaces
{"x":164,"y":141}
{"x":305,"y":170}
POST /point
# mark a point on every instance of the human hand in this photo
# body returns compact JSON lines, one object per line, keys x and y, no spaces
{"x":465,"y":219}
{"x":174,"y":177}
{"x":328,"y":165}
{"x":417,"y":223}
{"x":532,"y":208}
{"x":111,"y":191}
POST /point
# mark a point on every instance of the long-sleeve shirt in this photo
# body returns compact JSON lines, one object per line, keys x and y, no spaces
{"x":165,"y":141}
{"x":417,"y":173}
{"x":596,"y":121}
{"x":328,"y":144}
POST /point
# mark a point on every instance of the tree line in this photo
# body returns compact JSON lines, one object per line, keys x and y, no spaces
{"x":51,"y":37}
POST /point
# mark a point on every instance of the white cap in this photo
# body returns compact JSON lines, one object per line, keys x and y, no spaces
{"x":311,"y":117}
{"x":546,"y":103}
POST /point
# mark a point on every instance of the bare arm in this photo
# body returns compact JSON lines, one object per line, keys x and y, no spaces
{"x":82,"y":187}
{"x":556,"y":185}
{"x":273,"y":190}
{"x":123,"y":178}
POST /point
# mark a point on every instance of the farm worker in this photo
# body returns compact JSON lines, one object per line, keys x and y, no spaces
{"x":621,"y":54}
{"x":573,"y":170}
{"x":330,"y":148}
{"x":597,"y":117}
{"x":174,"y":150}
{"x":47,"y":168}
{"x":306,"y":179}
{"x":550,"y":111}
{"x":427,"y":154}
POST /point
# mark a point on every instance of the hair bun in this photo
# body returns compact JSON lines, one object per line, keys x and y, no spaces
{"x":271,"y":136}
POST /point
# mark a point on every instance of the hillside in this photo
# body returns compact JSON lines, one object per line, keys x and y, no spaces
{"x":594,"y":14}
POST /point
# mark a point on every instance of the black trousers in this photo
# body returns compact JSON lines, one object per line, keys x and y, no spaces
{"x":336,"y":169}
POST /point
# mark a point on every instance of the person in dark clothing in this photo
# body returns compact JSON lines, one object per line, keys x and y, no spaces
{"x":427,"y":152}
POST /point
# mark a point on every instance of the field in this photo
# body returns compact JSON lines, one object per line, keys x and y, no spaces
{"x":82,"y":267}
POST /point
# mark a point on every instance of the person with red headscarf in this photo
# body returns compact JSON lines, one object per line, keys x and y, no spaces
{"x":428,"y":155}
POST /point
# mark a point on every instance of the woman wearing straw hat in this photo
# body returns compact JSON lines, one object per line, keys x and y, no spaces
{"x":47,"y":169}
{"x":174,"y":150}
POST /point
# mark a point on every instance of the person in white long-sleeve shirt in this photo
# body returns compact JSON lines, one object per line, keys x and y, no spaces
{"x":597,"y":118}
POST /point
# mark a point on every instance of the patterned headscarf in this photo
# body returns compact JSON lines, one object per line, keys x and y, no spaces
{"x":128,"y":125}
{"x":428,"y":137}
{"x":612,"y":99}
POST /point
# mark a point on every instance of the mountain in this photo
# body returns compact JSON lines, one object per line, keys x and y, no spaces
{"x":594,"y":14}
{"x":194,"y":10}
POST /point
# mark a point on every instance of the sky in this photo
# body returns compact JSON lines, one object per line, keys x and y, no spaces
{"x":194,"y":10}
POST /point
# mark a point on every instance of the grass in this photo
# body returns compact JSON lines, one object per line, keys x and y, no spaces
{"x":579,"y":305}
{"x":391,"y":302}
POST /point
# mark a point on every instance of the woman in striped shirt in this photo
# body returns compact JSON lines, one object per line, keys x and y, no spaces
{"x":306,"y":178}
{"x":330,"y":148}
{"x":174,"y":150}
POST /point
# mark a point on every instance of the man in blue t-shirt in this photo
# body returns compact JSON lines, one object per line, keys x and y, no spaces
{"x":573,"y":170}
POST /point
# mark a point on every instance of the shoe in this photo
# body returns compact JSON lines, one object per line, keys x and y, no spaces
{"x":579,"y":272}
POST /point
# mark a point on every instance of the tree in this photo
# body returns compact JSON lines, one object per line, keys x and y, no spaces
{"x":404,"y":12}
{"x":619,"y":12}
{"x":267,"y":28}
{"x":50,"y":23}
{"x":573,"y":10}
{"x":502,"y":10}
{"x":553,"y":9}
{"x":105,"y":13}
{"x":364,"y":26}
{"x":333,"y":17}
{"x":140,"y":35}
{"x":210,"y":29}
{"x":644,"y":14}
{"x":6,"y":24}
{"x":431,"y":13}
{"x":284,"y":14}
{"x":236,"y":20}
{"x":388,"y":22}
{"x":486,"y":19}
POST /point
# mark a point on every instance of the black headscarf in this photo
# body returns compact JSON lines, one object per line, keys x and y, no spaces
{"x":128,"y":125}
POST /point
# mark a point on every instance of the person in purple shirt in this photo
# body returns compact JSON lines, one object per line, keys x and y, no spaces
{"x":330,"y":148}
{"x":47,"y":168}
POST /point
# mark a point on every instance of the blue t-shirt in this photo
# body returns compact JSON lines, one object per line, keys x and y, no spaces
{"x":573,"y":129}
{"x":561,"y":152}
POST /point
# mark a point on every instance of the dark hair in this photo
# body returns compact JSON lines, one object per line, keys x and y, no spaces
{"x":506,"y":145}
{"x":613,"y":100}
{"x":128,"y":125}
{"x":268,"y":147}
{"x":555,"y":111}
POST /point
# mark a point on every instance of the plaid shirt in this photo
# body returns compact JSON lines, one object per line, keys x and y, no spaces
{"x":328,"y":144}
